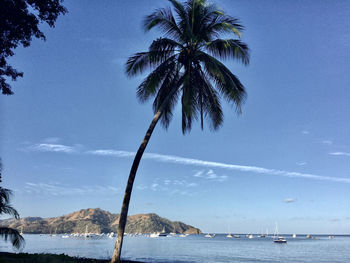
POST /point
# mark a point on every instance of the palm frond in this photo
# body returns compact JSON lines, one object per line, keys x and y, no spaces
{"x":229,"y":48}
{"x":8,"y":209}
{"x":13,"y":235}
{"x":164,"y":46}
{"x":5,"y":195}
{"x":226,"y":82}
{"x":164,"y":19}
{"x":150,"y":85}
{"x":212,"y":104}
{"x":225,"y":24}
{"x":188,"y":101}
{"x":208,"y":101}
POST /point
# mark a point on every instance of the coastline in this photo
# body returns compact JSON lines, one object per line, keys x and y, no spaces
{"x":52,"y":258}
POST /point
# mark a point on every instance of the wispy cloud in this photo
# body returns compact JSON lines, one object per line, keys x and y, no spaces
{"x":193,"y":162}
{"x":340,"y":153}
{"x":328,"y":142}
{"x":172,"y":187}
{"x":305,"y":132}
{"x":210,"y":175}
{"x":62,"y":190}
{"x":301,"y":163}
{"x":48,"y":147}
{"x":289,"y":200}
{"x":234,"y":167}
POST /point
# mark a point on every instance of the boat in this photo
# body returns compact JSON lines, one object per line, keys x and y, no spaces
{"x":294,"y":236}
{"x":262,"y":235}
{"x":229,"y":235}
{"x":154,"y":235}
{"x":210,"y":236}
{"x":65,"y":236}
{"x":111,"y":235}
{"x":236,"y":236}
{"x":163,"y":233}
{"x":331,"y":237}
{"x":278,"y":239}
{"x":308,"y":236}
{"x":250,"y":236}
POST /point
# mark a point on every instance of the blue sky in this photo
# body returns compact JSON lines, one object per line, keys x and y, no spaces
{"x":70,"y":131}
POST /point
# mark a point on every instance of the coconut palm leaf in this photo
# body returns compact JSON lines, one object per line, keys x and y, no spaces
{"x":13,"y":235}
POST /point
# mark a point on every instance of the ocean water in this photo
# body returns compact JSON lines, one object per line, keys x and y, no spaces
{"x":196,"y":248}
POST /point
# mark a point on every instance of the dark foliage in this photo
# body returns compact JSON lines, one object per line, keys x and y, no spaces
{"x":5,"y":208}
{"x":19,"y":23}
{"x":185,"y":63}
{"x":49,"y":258}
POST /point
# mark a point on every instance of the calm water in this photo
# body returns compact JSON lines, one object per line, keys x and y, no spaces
{"x":196,"y":248}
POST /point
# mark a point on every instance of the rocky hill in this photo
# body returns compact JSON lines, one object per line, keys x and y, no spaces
{"x":97,"y":221}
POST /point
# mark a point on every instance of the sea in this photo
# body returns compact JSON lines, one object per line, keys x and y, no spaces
{"x":195,"y":248}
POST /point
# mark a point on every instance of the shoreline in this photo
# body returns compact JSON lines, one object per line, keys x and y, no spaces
{"x":9,"y":257}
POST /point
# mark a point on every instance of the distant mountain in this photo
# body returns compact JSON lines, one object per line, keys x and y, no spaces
{"x":97,"y":221}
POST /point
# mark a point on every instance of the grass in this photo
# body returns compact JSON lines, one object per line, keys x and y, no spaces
{"x":48,"y":258}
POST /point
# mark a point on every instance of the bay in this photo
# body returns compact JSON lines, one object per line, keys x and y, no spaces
{"x":195,"y":248}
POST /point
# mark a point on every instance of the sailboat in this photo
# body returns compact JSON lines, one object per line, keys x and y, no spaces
{"x":229,"y":235}
{"x":262,"y":235}
{"x":278,"y":239}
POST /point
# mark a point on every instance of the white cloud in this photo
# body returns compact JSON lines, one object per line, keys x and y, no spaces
{"x":305,"y":132}
{"x":141,"y":187}
{"x":328,"y":142}
{"x":56,"y":189}
{"x":301,"y":163}
{"x":289,"y":200}
{"x":195,"y":162}
{"x":340,"y":153}
{"x":112,"y":153}
{"x":47,"y":147}
{"x":210,"y":175}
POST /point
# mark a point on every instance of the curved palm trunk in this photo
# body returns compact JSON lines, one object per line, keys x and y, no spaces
{"x":125,"y":207}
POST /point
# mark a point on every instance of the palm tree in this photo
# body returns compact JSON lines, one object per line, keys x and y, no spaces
{"x":185,"y":63}
{"x":5,"y":208}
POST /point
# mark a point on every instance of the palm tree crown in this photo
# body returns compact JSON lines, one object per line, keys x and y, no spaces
{"x":185,"y":62}
{"x":5,"y":208}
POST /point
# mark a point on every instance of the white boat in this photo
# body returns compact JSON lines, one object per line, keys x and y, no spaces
{"x":278,"y":239}
{"x":250,"y":236}
{"x":154,"y":235}
{"x":229,"y":236}
{"x":163,"y":233}
{"x":236,"y":236}
{"x":111,"y":235}
{"x":210,"y":236}
{"x":65,"y":236}
{"x":294,"y":236}
{"x":308,"y":236}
